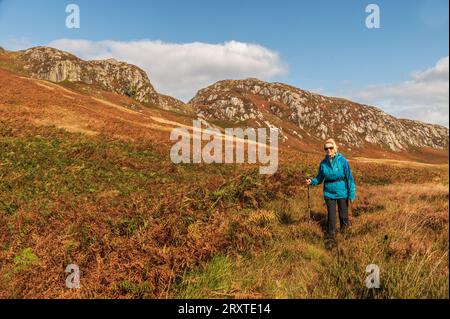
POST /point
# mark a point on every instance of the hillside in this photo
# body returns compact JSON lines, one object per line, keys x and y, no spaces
{"x":304,"y":119}
{"x":58,"y":66}
{"x":86,"y":178}
{"x":304,"y":116}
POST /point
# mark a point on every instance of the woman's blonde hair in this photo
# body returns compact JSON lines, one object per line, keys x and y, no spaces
{"x":331,"y":141}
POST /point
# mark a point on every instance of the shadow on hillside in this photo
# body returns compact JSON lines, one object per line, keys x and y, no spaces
{"x":320,"y":218}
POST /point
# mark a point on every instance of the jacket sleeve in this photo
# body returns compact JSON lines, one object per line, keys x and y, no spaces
{"x":351,"y":187}
{"x":319,"y":179}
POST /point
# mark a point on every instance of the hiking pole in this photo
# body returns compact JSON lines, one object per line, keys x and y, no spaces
{"x":309,"y":203}
{"x":307,"y":175}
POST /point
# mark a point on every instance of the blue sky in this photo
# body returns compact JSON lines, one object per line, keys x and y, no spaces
{"x":321,"y":45}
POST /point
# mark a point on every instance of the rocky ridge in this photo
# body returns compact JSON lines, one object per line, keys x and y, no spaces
{"x":354,"y":125}
{"x":111,"y":75}
{"x":297,"y":113}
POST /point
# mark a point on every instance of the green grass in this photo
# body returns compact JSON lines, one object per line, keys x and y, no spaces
{"x":411,"y":251}
{"x":213,"y":280}
{"x":25,"y":259}
{"x":136,"y":290}
{"x":37,"y":168}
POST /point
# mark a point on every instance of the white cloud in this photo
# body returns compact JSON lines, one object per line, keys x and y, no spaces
{"x":16,"y":44}
{"x":424,"y":97}
{"x":180,"y":70}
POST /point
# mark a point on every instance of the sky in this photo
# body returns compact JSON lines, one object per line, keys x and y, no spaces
{"x":323,"y":46}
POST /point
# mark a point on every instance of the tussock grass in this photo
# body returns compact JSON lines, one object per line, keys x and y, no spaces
{"x":407,"y":237}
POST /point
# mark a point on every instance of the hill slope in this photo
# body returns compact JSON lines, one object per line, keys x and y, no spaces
{"x":58,"y":66}
{"x":86,"y":178}
{"x":354,"y":125}
{"x":304,"y":119}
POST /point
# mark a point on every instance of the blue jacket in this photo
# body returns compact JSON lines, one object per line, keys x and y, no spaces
{"x":342,"y":184}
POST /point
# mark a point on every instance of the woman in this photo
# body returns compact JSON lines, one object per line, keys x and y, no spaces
{"x":339,"y":187}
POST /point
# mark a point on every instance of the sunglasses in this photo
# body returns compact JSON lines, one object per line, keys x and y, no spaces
{"x":328,"y":148}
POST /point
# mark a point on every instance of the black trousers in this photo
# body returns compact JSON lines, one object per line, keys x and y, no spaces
{"x":344,"y":221}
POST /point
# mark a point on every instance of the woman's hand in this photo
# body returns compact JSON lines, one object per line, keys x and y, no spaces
{"x":308,"y":181}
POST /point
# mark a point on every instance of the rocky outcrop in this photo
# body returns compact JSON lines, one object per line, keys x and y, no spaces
{"x":170,"y":103}
{"x":297,"y":113}
{"x":57,"y":66}
{"x":353,"y":124}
